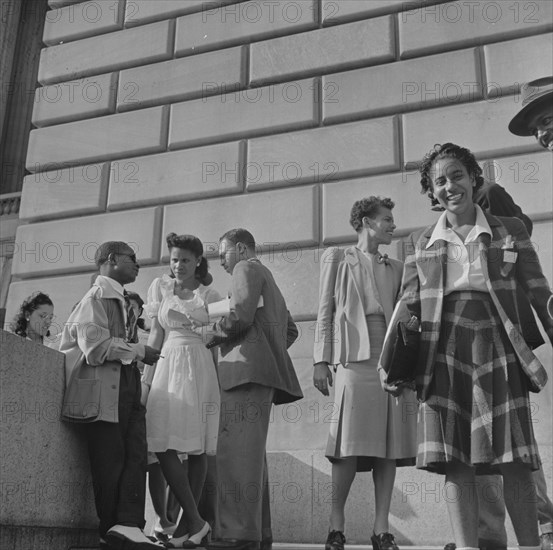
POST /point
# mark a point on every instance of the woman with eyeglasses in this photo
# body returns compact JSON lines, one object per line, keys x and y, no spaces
{"x":34,"y":317}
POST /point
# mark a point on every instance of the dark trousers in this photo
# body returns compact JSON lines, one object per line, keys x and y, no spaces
{"x":243,"y":506}
{"x":117,"y":453}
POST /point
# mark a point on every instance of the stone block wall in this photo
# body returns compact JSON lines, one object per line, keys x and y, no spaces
{"x":197,"y":116}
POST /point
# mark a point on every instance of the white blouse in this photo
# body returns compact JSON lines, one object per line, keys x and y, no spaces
{"x":464,"y":264}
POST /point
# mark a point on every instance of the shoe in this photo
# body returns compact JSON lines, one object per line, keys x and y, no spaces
{"x":120,"y":537}
{"x":233,"y":544}
{"x":546,"y":541}
{"x":450,"y":546}
{"x":335,"y":541}
{"x":266,"y":544}
{"x":178,"y":542}
{"x":192,"y":541}
{"x":163,"y":533}
{"x":103,"y":545}
{"x":384,"y":541}
{"x":486,"y":544}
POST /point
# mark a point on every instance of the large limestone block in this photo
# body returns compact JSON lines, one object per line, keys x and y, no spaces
{"x":480,"y":126}
{"x":273,"y":108}
{"x":334,"y":11}
{"x":412,"y":210}
{"x":78,"y":99}
{"x":71,"y":192}
{"x":323,"y":50}
{"x":275,"y":218}
{"x":139,"y":12}
{"x":242,"y":23}
{"x":442,"y":79}
{"x":454,"y":25}
{"x":510,"y":64}
{"x":66,"y":246}
{"x":177,"y":176}
{"x":64,"y":291}
{"x":82,"y":20}
{"x":109,"y":137}
{"x":181,"y":79}
{"x":100,"y":54}
{"x":60,"y":3}
{"x":528,"y":179}
{"x":323,"y":154}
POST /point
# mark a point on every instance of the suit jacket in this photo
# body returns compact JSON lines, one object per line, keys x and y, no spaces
{"x":341,"y":334}
{"x":423,"y":293}
{"x":259,"y":338}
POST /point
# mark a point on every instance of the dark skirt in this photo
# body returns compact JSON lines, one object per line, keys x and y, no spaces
{"x":478,"y":411}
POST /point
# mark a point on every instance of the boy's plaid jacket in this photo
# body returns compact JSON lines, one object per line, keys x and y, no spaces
{"x":423,"y":292}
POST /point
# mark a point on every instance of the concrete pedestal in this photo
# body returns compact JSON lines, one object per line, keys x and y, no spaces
{"x":46,"y":500}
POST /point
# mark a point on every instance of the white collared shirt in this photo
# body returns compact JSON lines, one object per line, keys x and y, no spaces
{"x":371,"y":296}
{"x":118,"y":289}
{"x":464,"y":265}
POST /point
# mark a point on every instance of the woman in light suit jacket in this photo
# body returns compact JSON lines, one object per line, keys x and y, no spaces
{"x":370,"y":431}
{"x":474,"y":368}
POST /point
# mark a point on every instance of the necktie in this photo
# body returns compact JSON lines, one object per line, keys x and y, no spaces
{"x":130,"y":329}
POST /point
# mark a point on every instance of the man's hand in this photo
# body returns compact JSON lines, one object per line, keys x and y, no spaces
{"x":322,"y":377}
{"x":151,"y":355}
{"x":215,"y":341}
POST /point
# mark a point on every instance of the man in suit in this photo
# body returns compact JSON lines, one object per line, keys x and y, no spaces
{"x":255,"y":371}
{"x":102,"y":328}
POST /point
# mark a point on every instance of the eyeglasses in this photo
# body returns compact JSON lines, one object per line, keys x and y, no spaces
{"x":131,"y":256}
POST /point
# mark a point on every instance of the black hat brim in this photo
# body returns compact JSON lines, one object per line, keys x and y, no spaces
{"x":519,"y":125}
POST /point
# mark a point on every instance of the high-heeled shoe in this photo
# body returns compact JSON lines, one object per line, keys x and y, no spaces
{"x":384,"y":541}
{"x":163,"y":533}
{"x":196,"y":539}
{"x":177,"y":542}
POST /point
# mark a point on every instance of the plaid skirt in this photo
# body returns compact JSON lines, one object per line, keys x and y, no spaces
{"x":478,"y":411}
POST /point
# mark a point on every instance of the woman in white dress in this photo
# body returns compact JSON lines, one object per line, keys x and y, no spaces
{"x":183,"y":402}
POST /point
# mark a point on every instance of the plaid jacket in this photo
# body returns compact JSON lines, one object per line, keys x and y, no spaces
{"x":423,"y":292}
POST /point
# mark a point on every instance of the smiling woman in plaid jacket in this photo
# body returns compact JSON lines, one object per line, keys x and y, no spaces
{"x":474,"y":368}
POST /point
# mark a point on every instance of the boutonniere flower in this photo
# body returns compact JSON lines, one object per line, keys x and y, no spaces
{"x":383,"y":259}
{"x":351,"y":258}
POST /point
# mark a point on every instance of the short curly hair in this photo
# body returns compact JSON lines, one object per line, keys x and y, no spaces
{"x":30,"y":304}
{"x":448,"y":150}
{"x":367,"y":207}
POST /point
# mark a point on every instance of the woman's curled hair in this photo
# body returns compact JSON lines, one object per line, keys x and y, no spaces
{"x":194,"y":245}
{"x":30,"y":304}
{"x":367,"y":207}
{"x":448,"y":150}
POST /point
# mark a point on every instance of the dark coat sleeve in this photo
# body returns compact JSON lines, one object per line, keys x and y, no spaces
{"x":495,"y":200}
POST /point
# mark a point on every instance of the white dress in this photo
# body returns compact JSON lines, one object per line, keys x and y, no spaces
{"x":183,"y":403}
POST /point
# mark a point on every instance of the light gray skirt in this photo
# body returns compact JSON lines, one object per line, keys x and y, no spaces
{"x":367,"y":422}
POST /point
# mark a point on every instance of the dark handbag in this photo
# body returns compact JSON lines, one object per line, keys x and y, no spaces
{"x":81,"y":400}
{"x":404,"y":355}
